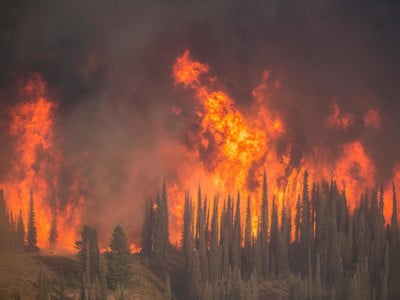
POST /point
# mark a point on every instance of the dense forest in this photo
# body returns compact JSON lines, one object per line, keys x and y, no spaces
{"x":325,"y":251}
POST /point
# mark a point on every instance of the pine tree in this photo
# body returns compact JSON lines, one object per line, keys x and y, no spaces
{"x":92,"y":267}
{"x":146,"y":233}
{"x":31,"y":238}
{"x":284,"y":241}
{"x":263,"y":233}
{"x":237,"y":236}
{"x":119,"y":268}
{"x":274,"y":246}
{"x":226,"y":237}
{"x":394,"y":212}
{"x":247,"y":242}
{"x":187,"y":235}
{"x":202,"y":242}
{"x":381,"y":203}
{"x":297,"y":220}
{"x":156,"y":231}
{"x":195,"y":285}
{"x":199,"y":215}
{"x":53,"y":236}
{"x":215,"y":259}
{"x":4,"y":223}
{"x":305,"y":227}
{"x":20,"y":231}
{"x":160,"y":232}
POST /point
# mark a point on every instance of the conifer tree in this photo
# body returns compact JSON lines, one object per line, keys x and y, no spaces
{"x":225,"y":239}
{"x":274,"y":246}
{"x":119,"y":268}
{"x":297,"y":220}
{"x":381,"y":202}
{"x":20,"y":231}
{"x":394,"y":212}
{"x":247,"y":242}
{"x":202,"y":242}
{"x":199,"y":215}
{"x":159,"y":230}
{"x":53,"y":235}
{"x":284,"y":240}
{"x":215,"y":259}
{"x":237,"y":236}
{"x":32,"y":235}
{"x":195,"y":284}
{"x":187,"y":235}
{"x":305,"y":227}
{"x":92,"y":269}
{"x":164,"y":221}
{"x":146,"y":233}
{"x":263,"y":232}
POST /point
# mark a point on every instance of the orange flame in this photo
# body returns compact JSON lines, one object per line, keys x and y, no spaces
{"x":234,"y":147}
{"x":37,"y":162}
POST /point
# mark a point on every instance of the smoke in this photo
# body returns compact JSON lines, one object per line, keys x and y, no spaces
{"x":108,"y":65}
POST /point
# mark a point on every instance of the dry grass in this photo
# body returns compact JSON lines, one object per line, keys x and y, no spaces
{"x":19,"y":273}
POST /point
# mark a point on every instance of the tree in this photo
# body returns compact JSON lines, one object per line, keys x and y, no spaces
{"x":32,"y":234}
{"x":237,"y":236}
{"x":297,"y":220}
{"x":215,"y":253}
{"x":187,"y":234}
{"x":4,"y":225}
{"x":53,"y":236}
{"x":119,"y":268}
{"x":160,"y":232}
{"x":247,"y":242}
{"x":263,"y":233}
{"x":146,"y":233}
{"x":305,"y":226}
{"x":274,"y":242}
{"x":20,"y":231}
{"x":284,"y":241}
{"x":195,"y":286}
{"x":202,"y":244}
{"x":92,"y":266}
{"x":394,"y":212}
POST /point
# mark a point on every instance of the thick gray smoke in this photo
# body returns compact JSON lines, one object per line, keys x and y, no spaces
{"x":108,"y":64}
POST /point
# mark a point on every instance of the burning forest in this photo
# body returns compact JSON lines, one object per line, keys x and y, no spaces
{"x":230,"y":150}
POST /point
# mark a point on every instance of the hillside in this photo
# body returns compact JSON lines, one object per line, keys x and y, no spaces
{"x":19,"y":275}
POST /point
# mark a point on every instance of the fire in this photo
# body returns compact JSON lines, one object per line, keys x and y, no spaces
{"x":232,"y":148}
{"x":37,"y":163}
{"x":372,"y":119}
{"x":338,"y":119}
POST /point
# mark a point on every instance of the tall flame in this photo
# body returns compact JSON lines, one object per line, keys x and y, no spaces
{"x":37,"y":163}
{"x":234,"y":147}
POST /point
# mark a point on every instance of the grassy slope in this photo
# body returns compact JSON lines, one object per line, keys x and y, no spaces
{"x":19,"y":272}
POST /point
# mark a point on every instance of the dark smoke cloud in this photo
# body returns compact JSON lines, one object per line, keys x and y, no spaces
{"x":108,"y":64}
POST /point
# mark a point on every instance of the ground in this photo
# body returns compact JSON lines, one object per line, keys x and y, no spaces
{"x":19,"y":274}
